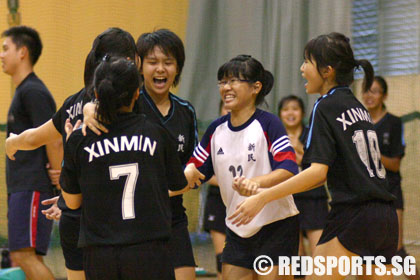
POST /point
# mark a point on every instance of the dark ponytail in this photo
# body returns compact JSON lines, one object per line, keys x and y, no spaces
{"x":369,"y":73}
{"x":334,"y":50}
{"x":114,"y":42}
{"x":115,"y":83}
{"x":248,"y":68}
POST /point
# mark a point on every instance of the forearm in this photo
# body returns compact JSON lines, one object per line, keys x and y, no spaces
{"x":273,"y":178}
{"x":392,"y":164}
{"x":308,"y":179}
{"x":73,"y":201}
{"x":34,"y":138}
{"x":55,"y":155}
{"x":213,"y":181}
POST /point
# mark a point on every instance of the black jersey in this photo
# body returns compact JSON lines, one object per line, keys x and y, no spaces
{"x":391,"y":143}
{"x":72,"y":109}
{"x":316,"y":193}
{"x":342,"y":136}
{"x":32,"y":105}
{"x":181,"y":124}
{"x":124,"y":177}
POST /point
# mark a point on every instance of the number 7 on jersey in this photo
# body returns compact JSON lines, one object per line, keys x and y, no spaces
{"x":130,"y":170}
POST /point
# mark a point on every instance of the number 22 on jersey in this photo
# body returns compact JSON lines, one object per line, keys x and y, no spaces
{"x":362,"y":150}
{"x":130,"y":170}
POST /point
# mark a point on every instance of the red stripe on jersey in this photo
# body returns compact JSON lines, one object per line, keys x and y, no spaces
{"x":280,"y":156}
{"x":197,"y":162}
{"x":268,"y":140}
{"x":34,"y":218}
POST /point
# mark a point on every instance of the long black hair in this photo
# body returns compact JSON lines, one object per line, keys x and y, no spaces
{"x":114,"y":42}
{"x":248,"y":68}
{"x":116,"y":80}
{"x":334,"y":50}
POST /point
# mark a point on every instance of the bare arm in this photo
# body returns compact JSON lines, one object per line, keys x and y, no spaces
{"x":32,"y":139}
{"x":213,"y":181}
{"x":73,"y":201}
{"x":247,"y":187}
{"x":55,"y":155}
{"x":193,"y":179}
{"x":308,"y":179}
{"x":391,"y":163}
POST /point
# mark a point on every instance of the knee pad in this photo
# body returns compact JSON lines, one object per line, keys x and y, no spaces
{"x":401,"y":252}
{"x":219,"y":262}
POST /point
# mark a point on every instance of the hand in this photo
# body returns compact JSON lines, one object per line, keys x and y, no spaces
{"x":89,"y":120}
{"x":68,"y":127}
{"x":247,"y":210}
{"x":54,"y":175}
{"x":10,"y":150}
{"x":244,"y":186}
{"x":52,"y":213}
{"x":193,"y":176}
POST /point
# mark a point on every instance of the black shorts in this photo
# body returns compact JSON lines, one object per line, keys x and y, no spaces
{"x":366,"y":229}
{"x":180,"y":248}
{"x":27,"y":226}
{"x":214,"y":213}
{"x":69,"y":228}
{"x":280,"y":238}
{"x":148,"y":260}
{"x":399,"y":202}
{"x":313,"y":212}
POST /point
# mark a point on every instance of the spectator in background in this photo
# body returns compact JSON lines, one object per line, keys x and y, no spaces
{"x":26,"y":176}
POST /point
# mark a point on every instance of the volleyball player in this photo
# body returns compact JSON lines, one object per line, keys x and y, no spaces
{"x":215,"y":214}
{"x":250,"y":144}
{"x":116,"y":42}
{"x":389,"y":129}
{"x":162,"y":59}
{"x":123,"y":178}
{"x":313,"y":204}
{"x":343,"y":147}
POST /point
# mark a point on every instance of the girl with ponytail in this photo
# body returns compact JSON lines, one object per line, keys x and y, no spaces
{"x":121,"y":179}
{"x":250,"y":146}
{"x":342,"y":146}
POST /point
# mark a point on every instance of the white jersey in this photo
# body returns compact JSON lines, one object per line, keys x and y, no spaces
{"x":255,"y":148}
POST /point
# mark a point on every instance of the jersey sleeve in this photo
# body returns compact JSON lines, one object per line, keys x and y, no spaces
{"x":40,"y":106}
{"x":193,"y":131}
{"x":174,"y":170}
{"x":397,"y":139}
{"x":281,"y":152}
{"x":59,"y":118}
{"x":69,"y":173}
{"x":320,"y":143}
{"x":202,"y":153}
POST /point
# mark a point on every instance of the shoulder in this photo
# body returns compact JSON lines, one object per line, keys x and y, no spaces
{"x":393,"y":119}
{"x":74,"y":98}
{"x":77,"y":137}
{"x":268,"y":120}
{"x":186,"y":105}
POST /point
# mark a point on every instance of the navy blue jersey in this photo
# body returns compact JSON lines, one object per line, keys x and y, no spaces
{"x":319,"y":192}
{"x":391,"y":142}
{"x":124,"y":177}
{"x":32,"y":105}
{"x":342,"y":136}
{"x":181,"y":124}
{"x":72,"y":109}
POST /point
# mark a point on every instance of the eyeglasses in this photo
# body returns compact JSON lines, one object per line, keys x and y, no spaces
{"x":231,"y":82}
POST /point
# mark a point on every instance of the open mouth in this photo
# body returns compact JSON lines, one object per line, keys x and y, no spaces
{"x":160,"y":81}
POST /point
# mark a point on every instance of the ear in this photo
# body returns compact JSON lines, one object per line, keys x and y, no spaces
{"x":23,"y":52}
{"x":96,"y":94}
{"x":257,"y":87}
{"x":327,"y":72}
{"x":137,"y":94}
{"x":138,"y":62}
